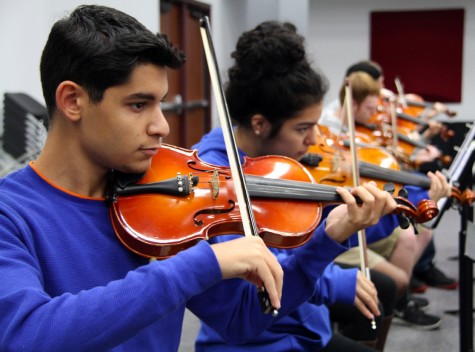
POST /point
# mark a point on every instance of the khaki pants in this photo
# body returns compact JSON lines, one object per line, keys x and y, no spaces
{"x":377,"y":251}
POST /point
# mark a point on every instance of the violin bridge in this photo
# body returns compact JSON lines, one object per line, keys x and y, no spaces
{"x":336,"y":163}
{"x":215,"y":184}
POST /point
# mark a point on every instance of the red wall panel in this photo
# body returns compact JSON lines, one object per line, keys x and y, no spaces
{"x":423,"y":48}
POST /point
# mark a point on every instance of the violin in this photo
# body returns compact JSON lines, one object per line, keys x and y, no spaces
{"x":402,"y":147}
{"x":409,"y":124}
{"x":381,"y":129}
{"x":200,"y":203}
{"x":331,"y":166}
{"x":416,"y":106}
{"x":373,"y":135}
{"x":413,"y":104}
{"x":410,"y":121}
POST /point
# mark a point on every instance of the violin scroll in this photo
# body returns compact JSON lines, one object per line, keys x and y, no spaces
{"x":467,"y":198}
{"x":426,"y":210}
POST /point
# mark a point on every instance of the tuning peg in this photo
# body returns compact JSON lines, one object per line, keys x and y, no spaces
{"x":389,"y":187}
{"x":404,"y":221}
{"x":311,"y":159}
{"x":403,"y":193}
{"x":413,"y":222}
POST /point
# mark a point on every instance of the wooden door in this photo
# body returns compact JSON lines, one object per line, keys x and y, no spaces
{"x":187,"y":104}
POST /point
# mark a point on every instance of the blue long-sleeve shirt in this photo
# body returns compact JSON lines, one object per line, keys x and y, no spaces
{"x":308,"y":326}
{"x":68,"y":284}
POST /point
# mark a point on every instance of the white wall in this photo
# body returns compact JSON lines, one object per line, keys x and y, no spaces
{"x":232,"y":17}
{"x":339,"y":36}
{"x":337,"y":33}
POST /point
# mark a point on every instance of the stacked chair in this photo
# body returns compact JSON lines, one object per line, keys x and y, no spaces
{"x":25,"y":125}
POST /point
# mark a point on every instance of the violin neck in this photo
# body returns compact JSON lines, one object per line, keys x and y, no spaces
{"x":418,"y":104}
{"x":370,"y":126}
{"x":376,"y":172}
{"x":380,"y":173}
{"x":261,"y":187}
{"x":413,"y":119}
{"x":404,"y":138}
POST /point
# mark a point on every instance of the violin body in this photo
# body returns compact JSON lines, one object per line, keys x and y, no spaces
{"x":376,"y":165}
{"x":160,"y":225}
{"x":410,"y":120}
{"x":416,"y":106}
{"x":381,"y":142}
{"x":334,"y":168}
{"x":154,"y":219}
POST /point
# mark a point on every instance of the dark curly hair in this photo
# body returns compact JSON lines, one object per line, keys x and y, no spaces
{"x":272,"y":76}
{"x":98,"y":47}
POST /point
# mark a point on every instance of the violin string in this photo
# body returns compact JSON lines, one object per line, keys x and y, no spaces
{"x":281,"y":188}
{"x":291,"y":189}
{"x":371,"y":170}
{"x":259,"y":186}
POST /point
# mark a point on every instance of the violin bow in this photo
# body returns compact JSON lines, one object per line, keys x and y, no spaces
{"x":392,"y":112}
{"x":356,"y":180}
{"x":400,"y":92}
{"x":242,"y":194}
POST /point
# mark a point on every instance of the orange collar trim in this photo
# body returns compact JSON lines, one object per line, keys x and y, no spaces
{"x":60,"y":188}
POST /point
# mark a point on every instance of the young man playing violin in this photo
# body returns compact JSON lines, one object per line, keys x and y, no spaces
{"x":68,"y":284}
{"x":275,"y":99}
{"x":392,"y":250}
